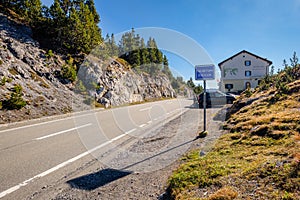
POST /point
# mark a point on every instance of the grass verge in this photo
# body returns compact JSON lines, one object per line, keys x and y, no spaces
{"x":258,"y":158}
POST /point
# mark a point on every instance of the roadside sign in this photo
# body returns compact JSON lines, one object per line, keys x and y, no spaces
{"x":204,"y":72}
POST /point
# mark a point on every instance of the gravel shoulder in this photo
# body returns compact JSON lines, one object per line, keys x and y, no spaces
{"x":141,"y":167}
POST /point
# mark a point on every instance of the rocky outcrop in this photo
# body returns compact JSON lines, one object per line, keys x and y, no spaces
{"x":24,"y":63}
{"x":118,"y":85}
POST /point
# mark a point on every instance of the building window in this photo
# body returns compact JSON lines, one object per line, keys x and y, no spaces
{"x":247,"y":73}
{"x":248,"y":85}
{"x":247,"y":62}
{"x":259,"y":81}
{"x":229,"y":86}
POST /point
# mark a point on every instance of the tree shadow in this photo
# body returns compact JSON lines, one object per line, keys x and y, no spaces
{"x":98,"y":179}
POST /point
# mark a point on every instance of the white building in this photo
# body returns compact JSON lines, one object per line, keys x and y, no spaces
{"x":242,"y":70}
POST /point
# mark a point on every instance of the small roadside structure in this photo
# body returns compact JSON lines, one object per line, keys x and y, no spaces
{"x":241,"y":71}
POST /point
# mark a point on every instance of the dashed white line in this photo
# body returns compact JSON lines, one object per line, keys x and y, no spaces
{"x":41,"y":123}
{"x":149,"y":122}
{"x":61,"y":132}
{"x":24,"y":183}
{"x":142,"y":125}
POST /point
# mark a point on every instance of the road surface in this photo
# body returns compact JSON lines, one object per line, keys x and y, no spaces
{"x":40,"y":152}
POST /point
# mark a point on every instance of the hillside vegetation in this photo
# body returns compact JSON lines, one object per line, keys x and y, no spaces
{"x":259,"y":157}
{"x":46,"y":68}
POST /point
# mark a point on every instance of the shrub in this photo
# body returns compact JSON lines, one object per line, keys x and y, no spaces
{"x":68,"y":72}
{"x":80,"y":87}
{"x":15,"y":101}
{"x":3,"y":81}
{"x":248,"y":92}
{"x":49,"y":54}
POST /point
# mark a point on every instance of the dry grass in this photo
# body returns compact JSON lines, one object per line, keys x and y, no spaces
{"x":258,"y":159}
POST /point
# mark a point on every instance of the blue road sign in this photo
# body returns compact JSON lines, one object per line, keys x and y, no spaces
{"x":204,"y":72}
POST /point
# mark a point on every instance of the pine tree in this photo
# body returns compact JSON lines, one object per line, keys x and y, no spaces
{"x":294,"y":60}
{"x":114,"y":47}
{"x":92,"y":8}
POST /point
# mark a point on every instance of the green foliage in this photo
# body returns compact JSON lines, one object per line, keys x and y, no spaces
{"x":281,"y":80}
{"x":143,"y":58}
{"x":15,"y":101}
{"x":1,"y":62}
{"x":49,"y":54}
{"x":248,"y":92}
{"x":68,"y":71}
{"x":190,"y":83}
{"x":80,"y":87}
{"x":67,"y":26}
{"x":5,"y":80}
{"x":294,"y":60}
{"x":197,"y":89}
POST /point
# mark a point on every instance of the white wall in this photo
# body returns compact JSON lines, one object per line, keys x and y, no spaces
{"x":235,"y":72}
{"x":235,"y":68}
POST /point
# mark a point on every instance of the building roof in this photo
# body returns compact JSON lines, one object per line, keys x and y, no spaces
{"x":244,"y":51}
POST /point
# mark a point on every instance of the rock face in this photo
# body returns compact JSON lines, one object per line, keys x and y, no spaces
{"x":23,"y":62}
{"x":109,"y":83}
{"x":118,"y":85}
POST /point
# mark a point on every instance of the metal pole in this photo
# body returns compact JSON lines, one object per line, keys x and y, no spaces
{"x":204,"y":107}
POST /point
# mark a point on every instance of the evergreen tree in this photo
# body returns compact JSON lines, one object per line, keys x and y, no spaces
{"x":114,"y":47}
{"x":294,"y":60}
{"x":33,"y":11}
{"x":166,"y":70}
{"x":190,"y":83}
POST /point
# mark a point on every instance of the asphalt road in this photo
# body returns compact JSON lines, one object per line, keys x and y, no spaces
{"x":37,"y":152}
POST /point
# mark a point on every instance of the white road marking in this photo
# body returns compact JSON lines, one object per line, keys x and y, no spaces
{"x":61,"y":132}
{"x":42,"y":123}
{"x":144,"y":109}
{"x":142,"y":125}
{"x":132,"y":130}
{"x":149,"y":122}
{"x":24,"y":183}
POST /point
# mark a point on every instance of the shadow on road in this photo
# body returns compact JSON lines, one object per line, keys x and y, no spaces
{"x":95,"y":180}
{"x":98,"y":179}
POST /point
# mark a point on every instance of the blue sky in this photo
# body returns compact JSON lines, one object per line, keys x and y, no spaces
{"x":268,"y":28}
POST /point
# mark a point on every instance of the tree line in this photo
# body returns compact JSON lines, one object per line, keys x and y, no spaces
{"x":142,"y":56}
{"x":70,"y":27}
{"x":67,"y":26}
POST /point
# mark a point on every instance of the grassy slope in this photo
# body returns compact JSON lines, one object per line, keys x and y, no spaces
{"x":259,"y":157}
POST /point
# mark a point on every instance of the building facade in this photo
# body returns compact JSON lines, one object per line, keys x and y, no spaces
{"x":242,"y":70}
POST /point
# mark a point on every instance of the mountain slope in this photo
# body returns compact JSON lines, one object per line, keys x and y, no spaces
{"x":32,"y":84}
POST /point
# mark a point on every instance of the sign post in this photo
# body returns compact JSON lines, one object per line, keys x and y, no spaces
{"x":204,"y":72}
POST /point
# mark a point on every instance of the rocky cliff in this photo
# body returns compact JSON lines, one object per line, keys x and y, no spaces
{"x":24,"y":63}
{"x":117,"y":84}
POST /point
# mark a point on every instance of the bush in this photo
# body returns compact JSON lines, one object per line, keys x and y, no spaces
{"x":248,"y":92}
{"x":15,"y":101}
{"x":68,"y":72}
{"x":3,"y":81}
{"x":49,"y":54}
